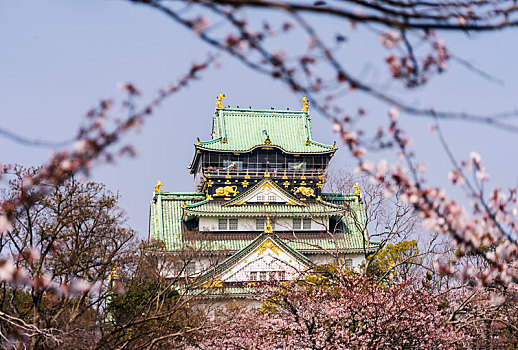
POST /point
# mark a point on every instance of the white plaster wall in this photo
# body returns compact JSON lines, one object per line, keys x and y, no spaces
{"x":245,"y":224}
{"x":213,"y":305}
{"x":266,"y":193}
{"x":322,"y":258}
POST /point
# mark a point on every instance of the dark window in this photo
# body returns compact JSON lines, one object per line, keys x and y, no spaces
{"x":306,"y":224}
{"x":267,"y":276}
{"x":232,"y":224}
{"x":334,"y":225}
{"x":222,"y":224}
{"x":297,"y":224}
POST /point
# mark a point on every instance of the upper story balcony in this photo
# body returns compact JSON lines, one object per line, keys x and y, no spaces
{"x":263,"y":172}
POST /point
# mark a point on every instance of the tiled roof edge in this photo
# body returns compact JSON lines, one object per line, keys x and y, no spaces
{"x":329,"y":149}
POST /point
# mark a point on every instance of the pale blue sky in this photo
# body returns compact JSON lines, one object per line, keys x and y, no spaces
{"x":59,"y":58}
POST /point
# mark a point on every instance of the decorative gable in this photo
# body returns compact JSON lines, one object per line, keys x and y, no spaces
{"x":268,"y":261}
{"x":265,"y":192}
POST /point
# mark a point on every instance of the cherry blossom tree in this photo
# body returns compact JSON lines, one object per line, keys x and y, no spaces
{"x":56,"y":259}
{"x":349,"y":312}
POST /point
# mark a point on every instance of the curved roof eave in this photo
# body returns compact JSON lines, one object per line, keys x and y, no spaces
{"x":331,"y":150}
{"x":200,"y":147}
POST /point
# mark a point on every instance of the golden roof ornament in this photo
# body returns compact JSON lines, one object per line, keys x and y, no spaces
{"x":268,"y":228}
{"x":267,"y":141}
{"x":357,"y":188}
{"x":218,"y":101}
{"x":306,"y":104}
{"x":114,"y":273}
{"x":157,"y":187}
{"x":267,"y":245}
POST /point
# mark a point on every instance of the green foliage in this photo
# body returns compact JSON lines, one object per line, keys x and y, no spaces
{"x":141,"y":295}
{"x":149,"y":308}
{"x":397,"y":257}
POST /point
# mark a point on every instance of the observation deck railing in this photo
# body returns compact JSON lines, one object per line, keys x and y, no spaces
{"x":254,"y":173}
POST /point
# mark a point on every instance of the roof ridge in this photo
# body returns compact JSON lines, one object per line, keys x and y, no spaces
{"x":321,"y":144}
{"x":265,"y":111}
{"x":194,"y":205}
{"x":330,"y":204}
{"x":175,"y":195}
{"x":291,"y":250}
{"x":210,"y":141}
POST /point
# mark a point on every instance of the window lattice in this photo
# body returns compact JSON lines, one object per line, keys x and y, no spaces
{"x":267,"y":275}
{"x":222,"y":224}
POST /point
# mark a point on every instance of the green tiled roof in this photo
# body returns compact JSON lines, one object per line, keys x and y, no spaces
{"x":167,"y":211}
{"x":244,"y":129}
{"x":252,"y":292}
{"x":219,"y":209}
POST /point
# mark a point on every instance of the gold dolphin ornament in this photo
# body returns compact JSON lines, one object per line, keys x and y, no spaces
{"x":306,"y":104}
{"x":157,"y":187}
{"x":218,"y":101}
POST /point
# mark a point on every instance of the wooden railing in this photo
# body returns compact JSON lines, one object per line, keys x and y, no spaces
{"x":254,"y":173}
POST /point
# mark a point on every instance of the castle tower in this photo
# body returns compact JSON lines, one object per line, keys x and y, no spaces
{"x":258,"y":203}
